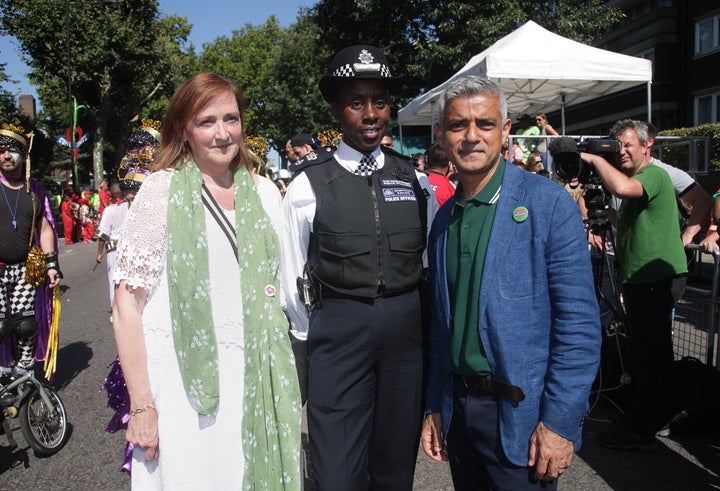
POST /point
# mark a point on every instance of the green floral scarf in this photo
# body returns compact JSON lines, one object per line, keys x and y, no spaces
{"x":272,"y":409}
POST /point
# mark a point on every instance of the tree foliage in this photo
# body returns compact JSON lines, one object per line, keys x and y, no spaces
{"x":430,"y":40}
{"x":291,"y":100}
{"x":244,"y":57}
{"x":122,"y":56}
{"x":398,"y":26}
{"x":8,"y":107}
{"x":127,"y":60}
{"x":278,"y":70}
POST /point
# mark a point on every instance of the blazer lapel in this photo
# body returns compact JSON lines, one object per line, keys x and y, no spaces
{"x":441,"y":254}
{"x":501,"y":236}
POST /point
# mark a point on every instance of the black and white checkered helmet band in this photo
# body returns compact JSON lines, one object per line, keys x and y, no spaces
{"x":350,"y":70}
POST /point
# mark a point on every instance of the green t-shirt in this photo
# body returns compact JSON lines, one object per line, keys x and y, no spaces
{"x":95,"y":201}
{"x":649,"y":246}
{"x":467,"y":241}
{"x":528,"y":143}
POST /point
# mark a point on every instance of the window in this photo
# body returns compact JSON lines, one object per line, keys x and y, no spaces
{"x":707,"y":108}
{"x":706,"y":35}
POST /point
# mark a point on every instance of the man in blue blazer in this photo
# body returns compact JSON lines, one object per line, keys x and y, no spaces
{"x":515,"y":332}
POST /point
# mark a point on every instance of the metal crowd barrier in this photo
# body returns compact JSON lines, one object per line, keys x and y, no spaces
{"x":695,"y":325}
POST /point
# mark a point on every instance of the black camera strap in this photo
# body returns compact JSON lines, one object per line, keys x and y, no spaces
{"x":214,"y":208}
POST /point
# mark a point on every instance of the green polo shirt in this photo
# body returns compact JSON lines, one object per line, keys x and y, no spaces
{"x":467,"y":241}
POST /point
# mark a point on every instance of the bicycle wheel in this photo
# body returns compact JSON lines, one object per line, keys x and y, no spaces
{"x":45,"y":431}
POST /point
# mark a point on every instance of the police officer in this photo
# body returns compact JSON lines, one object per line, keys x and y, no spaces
{"x":355,"y":224}
{"x":302,"y":144}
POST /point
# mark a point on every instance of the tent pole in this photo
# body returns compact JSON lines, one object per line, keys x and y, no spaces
{"x":649,"y":101}
{"x":562,"y":112}
{"x":402,"y":143}
{"x":432,"y":121}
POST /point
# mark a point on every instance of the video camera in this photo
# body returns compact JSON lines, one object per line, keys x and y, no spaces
{"x":568,"y":166}
{"x":566,"y":156}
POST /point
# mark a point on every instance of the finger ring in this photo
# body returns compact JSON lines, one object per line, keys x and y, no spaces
{"x":563,"y":467}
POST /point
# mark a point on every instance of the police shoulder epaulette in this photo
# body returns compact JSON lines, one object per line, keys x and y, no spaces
{"x":312,"y":158}
{"x":395,"y":153}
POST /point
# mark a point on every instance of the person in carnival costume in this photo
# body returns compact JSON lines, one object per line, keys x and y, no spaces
{"x":141,"y":147}
{"x":134,"y":168}
{"x":201,"y":335}
{"x":29,"y":268}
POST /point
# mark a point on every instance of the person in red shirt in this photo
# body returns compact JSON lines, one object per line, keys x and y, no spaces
{"x":68,"y":218}
{"x":437,"y":167}
{"x":85,"y":223}
{"x":104,"y":197}
{"x":116,"y":194}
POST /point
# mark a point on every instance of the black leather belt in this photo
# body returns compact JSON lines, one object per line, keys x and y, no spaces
{"x":326,"y":292}
{"x":491,"y":385}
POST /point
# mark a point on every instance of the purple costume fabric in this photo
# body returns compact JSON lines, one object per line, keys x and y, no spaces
{"x":119,"y":400}
{"x":43,"y":297}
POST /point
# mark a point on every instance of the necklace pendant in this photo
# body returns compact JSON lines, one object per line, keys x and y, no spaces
{"x":14,"y":224}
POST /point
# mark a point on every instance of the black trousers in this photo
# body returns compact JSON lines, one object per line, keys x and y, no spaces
{"x":364,"y":392}
{"x":649,"y":308}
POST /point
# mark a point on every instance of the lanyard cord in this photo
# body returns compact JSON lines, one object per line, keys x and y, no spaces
{"x":17,"y":200}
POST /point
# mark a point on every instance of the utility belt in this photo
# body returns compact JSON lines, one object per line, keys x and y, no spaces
{"x":490,"y":385}
{"x":327,"y":292}
{"x":312,"y":292}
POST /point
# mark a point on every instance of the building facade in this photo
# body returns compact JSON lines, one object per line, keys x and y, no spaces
{"x":682,"y":39}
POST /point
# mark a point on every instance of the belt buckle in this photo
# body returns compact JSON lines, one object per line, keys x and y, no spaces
{"x":482,"y":385}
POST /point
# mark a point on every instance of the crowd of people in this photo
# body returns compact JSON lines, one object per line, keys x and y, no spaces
{"x":444,"y":301}
{"x":80,"y":211}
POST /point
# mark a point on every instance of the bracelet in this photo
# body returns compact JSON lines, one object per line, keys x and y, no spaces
{"x":146,"y":407}
{"x":712,"y":228}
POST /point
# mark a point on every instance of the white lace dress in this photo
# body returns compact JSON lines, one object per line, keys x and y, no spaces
{"x":195,"y":452}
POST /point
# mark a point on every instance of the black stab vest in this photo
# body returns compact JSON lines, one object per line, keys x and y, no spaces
{"x":369,"y":233}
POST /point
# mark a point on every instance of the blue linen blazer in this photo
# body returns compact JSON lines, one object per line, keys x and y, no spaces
{"x":538,"y":313}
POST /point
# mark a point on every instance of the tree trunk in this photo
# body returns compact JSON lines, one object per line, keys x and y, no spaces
{"x":97,"y":153}
{"x":102,"y":120}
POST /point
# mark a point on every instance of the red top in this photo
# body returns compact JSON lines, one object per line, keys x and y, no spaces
{"x":442,"y":186}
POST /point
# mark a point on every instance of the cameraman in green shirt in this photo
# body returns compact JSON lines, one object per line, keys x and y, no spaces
{"x":653,"y":270}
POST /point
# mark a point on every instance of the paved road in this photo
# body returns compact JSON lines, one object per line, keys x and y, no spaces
{"x":91,"y":459}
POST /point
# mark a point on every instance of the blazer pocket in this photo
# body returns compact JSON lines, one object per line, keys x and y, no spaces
{"x":523,"y":273}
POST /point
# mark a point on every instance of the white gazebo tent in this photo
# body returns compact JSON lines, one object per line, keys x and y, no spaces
{"x":539,"y":69}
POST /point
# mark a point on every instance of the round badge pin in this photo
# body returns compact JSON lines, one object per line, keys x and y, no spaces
{"x":520,"y":214}
{"x":270,"y":291}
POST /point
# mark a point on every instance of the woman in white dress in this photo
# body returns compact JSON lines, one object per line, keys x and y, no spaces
{"x":201,"y":336}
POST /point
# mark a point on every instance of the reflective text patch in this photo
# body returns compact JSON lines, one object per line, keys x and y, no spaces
{"x":395,"y":190}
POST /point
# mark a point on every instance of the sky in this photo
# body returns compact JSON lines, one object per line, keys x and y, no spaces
{"x":210,"y":19}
